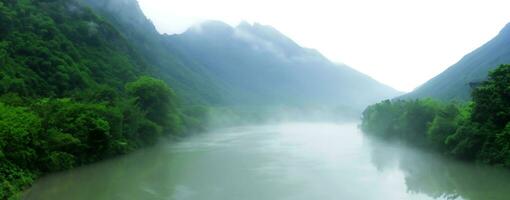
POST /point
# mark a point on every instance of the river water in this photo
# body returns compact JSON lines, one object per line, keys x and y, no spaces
{"x":288,"y":161}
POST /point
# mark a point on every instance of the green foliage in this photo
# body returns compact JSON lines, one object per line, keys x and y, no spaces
{"x":493,"y":99}
{"x":157,"y":99}
{"x":18,"y":129}
{"x":492,"y":113}
{"x":445,"y":124}
{"x":70,"y":93}
{"x":477,"y":131}
{"x":48,"y":135}
{"x":57,"y":48}
{"x":405,"y":120}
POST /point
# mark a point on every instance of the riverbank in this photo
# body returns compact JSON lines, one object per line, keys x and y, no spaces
{"x":477,"y":131}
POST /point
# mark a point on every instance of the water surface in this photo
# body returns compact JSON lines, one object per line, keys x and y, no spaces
{"x":294,"y":161}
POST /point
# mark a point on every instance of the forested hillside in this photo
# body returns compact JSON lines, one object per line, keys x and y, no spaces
{"x":72,"y":91}
{"x":455,"y":82}
{"x":56,"y":48}
{"x":262,"y":66}
{"x":190,"y":80}
{"x":478,"y":131}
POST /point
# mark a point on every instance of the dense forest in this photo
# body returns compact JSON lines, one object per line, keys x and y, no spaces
{"x":477,"y":131}
{"x":73,"y":91}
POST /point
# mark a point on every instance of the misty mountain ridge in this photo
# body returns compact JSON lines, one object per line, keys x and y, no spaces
{"x":247,"y":65}
{"x":263,"y":66}
{"x":260,"y":37}
{"x":454,"y":83}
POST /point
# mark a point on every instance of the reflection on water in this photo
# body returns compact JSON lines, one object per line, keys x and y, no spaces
{"x":295,"y":161}
{"x":439,"y":177}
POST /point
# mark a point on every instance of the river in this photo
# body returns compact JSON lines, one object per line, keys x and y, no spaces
{"x":288,"y":161}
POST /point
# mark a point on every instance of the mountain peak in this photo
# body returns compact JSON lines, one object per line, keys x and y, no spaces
{"x":134,"y":17}
{"x":243,"y":24}
{"x":270,"y":34}
{"x":211,"y":27}
{"x":259,"y":29}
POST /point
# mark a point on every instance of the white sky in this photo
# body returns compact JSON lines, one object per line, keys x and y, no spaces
{"x":401,"y":43}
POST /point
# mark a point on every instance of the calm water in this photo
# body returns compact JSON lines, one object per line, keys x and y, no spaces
{"x":295,"y":161}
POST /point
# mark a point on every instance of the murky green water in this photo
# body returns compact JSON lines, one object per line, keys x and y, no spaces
{"x":294,"y":161}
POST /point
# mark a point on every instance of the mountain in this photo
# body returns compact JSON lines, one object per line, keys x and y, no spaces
{"x":213,"y":63}
{"x":260,"y":65}
{"x":454,"y":82}
{"x":189,"y":79}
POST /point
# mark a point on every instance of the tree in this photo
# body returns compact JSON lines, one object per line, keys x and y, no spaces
{"x":157,"y":100}
{"x":492,"y":99}
{"x":18,"y":128}
{"x":445,"y":123}
{"x":492,"y":112}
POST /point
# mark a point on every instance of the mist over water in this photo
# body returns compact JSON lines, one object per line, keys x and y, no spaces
{"x":298,"y":161}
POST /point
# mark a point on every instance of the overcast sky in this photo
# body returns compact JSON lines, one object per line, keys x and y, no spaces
{"x":401,"y":43}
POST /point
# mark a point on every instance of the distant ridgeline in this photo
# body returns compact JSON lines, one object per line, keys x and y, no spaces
{"x":261,"y":66}
{"x":479,"y":130}
{"x":456,"y":82}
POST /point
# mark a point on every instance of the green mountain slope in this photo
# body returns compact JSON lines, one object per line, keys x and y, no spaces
{"x":454,"y":83}
{"x":263,"y":66}
{"x":56,"y":48}
{"x":188,"y":78}
{"x":73,"y":91}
